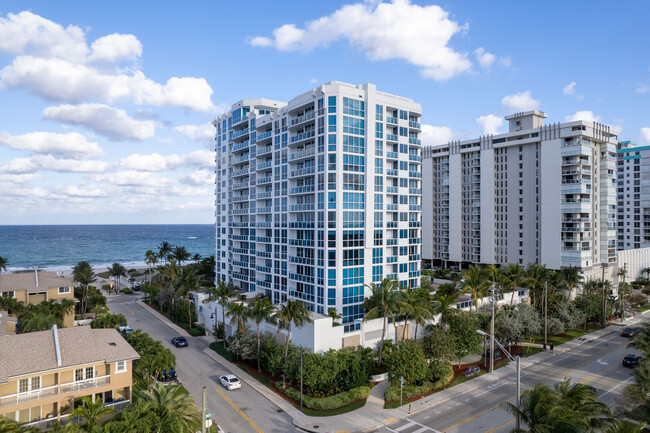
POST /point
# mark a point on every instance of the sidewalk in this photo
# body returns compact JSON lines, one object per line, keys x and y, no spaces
{"x":373,"y":416}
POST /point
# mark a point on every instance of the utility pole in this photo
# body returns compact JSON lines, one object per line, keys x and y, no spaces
{"x":494,"y":288}
{"x":545,"y":313}
{"x":604,"y":303}
{"x":623,"y":293}
{"x":203,"y":420}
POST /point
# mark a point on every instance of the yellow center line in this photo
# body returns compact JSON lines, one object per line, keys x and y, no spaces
{"x":241,"y":412}
{"x":492,"y":430}
{"x":129,"y":310}
{"x":587,"y":379}
{"x":389,"y":420}
{"x":470,"y":418}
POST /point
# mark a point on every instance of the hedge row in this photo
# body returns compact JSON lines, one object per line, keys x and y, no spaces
{"x":393,"y":392}
{"x":328,"y":403}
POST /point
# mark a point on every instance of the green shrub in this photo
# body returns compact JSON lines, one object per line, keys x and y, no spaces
{"x":196,"y":332}
{"x":393,"y":392}
{"x":200,"y":328}
{"x":328,"y":403}
{"x":127,"y":291}
{"x":106,"y":286}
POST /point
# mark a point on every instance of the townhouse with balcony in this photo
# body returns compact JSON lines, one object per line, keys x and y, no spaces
{"x":319,"y":196}
{"x":34,"y":287}
{"x":43,"y":375}
{"x":537,"y":194}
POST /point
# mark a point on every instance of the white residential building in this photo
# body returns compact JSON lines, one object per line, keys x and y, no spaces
{"x":633,"y":196}
{"x":319,"y":196}
{"x":536,"y":194}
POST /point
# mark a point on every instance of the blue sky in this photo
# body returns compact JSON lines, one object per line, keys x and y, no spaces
{"x":106,"y":106}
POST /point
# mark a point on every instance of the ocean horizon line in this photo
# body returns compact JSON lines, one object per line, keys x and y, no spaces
{"x":126,"y":224}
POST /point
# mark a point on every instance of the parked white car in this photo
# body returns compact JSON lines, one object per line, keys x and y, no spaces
{"x":230,"y":382}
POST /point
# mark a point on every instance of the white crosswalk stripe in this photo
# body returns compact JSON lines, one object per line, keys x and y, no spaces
{"x":411,"y":426}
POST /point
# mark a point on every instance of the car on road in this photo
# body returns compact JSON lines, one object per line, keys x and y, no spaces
{"x":137,"y":288}
{"x":125,"y":330}
{"x":632,"y":361}
{"x":630,"y":332}
{"x":230,"y":382}
{"x":168,"y":375}
{"x":180,"y":342}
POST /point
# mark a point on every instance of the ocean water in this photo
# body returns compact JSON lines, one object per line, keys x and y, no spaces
{"x":60,"y":247}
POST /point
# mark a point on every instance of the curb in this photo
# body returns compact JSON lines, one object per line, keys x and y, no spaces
{"x":163,"y":319}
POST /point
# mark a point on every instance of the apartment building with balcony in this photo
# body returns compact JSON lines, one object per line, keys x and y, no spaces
{"x":536,"y":194}
{"x":319,"y":196}
{"x":44,"y":374}
{"x":34,"y":287}
{"x":633,"y":196}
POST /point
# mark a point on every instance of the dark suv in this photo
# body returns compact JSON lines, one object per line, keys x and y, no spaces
{"x":630,"y":332}
{"x":632,"y":361}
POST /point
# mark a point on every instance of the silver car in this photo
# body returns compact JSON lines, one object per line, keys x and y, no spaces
{"x":230,"y":382}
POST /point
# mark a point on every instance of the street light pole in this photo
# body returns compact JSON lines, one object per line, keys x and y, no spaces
{"x":545,"y":314}
{"x":492,"y":330}
{"x":518,"y":365}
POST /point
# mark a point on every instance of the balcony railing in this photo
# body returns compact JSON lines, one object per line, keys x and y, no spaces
{"x":49,"y":391}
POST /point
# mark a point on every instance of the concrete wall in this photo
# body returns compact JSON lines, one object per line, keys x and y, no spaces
{"x":634,"y":261}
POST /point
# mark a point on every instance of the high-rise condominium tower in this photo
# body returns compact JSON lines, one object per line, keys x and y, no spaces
{"x":537,"y":194}
{"x":319,"y":196}
{"x":633,"y":195}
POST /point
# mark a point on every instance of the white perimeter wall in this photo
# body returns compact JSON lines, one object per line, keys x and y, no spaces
{"x":636,"y":261}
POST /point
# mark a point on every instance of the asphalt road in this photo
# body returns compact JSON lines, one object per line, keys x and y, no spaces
{"x":597,"y":362}
{"x":238,"y":411}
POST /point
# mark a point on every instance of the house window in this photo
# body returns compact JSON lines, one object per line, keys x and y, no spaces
{"x":78,"y":374}
{"x":30,"y":384}
{"x":9,"y":294}
{"x":63,"y":290}
{"x":90,"y":372}
{"x":120,"y":366}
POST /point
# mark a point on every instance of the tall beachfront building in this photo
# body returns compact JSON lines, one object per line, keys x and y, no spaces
{"x":319,"y":196}
{"x":633,"y":194}
{"x":536,"y":194}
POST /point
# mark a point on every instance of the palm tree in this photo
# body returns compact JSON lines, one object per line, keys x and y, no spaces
{"x":625,"y":427}
{"x":91,"y":411}
{"x":180,"y":254}
{"x":63,"y":308}
{"x":641,"y":340}
{"x":383,"y":303}
{"x":118,"y":271}
{"x":536,"y":403}
{"x":331,"y":312}
{"x":515,"y":277}
{"x":174,"y":408}
{"x":261,"y":310}
{"x":84,"y":274}
{"x":3,"y":264}
{"x":9,"y":426}
{"x":581,"y":402}
{"x":414,"y":303}
{"x":38,"y":322}
{"x":292,"y":313}
{"x":188,"y":283}
{"x":151,"y":259}
{"x":222,"y":294}
{"x":163,"y":250}
{"x":196,"y":257}
{"x":572,"y":277}
{"x":535,"y":277}
{"x":445,"y":305}
{"x":238,"y":313}
{"x":475,"y":283}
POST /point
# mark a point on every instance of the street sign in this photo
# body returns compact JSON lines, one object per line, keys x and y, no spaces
{"x":208,"y":415}
{"x":208,"y":423}
{"x":401,"y":381}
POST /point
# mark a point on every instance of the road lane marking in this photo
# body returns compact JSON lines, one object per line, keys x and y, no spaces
{"x":470,"y":418}
{"x":389,"y":420}
{"x":492,"y":430}
{"x":129,"y":310}
{"x":587,"y":379}
{"x":625,"y":381}
{"x":490,"y":390}
{"x":241,"y":412}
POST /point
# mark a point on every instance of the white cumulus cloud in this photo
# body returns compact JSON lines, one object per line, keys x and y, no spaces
{"x":116,"y":47}
{"x":434,"y":135}
{"x":490,"y":123}
{"x":198,"y":178}
{"x":26,"y":32}
{"x":645,"y":133}
{"x":570,"y":89}
{"x":110,"y":122}
{"x":585,"y":115}
{"x":158,"y":162}
{"x":53,"y":62}
{"x":642,"y":89}
{"x":49,"y":163}
{"x":72,"y":144}
{"x":484,"y":58}
{"x":419,"y":35}
{"x":522,"y":101}
{"x":201,"y":133}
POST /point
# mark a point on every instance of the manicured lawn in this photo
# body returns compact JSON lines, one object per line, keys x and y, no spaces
{"x":339,"y":411}
{"x":644,"y":307}
{"x":529,"y":351}
{"x":566,"y":336}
